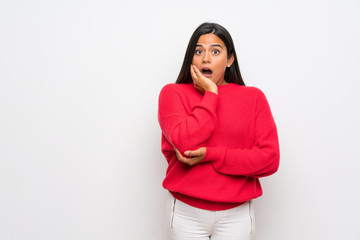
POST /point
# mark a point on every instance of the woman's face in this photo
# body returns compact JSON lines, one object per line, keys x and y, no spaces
{"x":211,"y":58}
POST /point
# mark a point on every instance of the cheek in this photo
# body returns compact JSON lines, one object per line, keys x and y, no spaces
{"x":221,"y":66}
{"x":195,"y":61}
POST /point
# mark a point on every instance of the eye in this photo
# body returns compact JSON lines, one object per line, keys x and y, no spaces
{"x":198,"y":52}
{"x":215,"y":52}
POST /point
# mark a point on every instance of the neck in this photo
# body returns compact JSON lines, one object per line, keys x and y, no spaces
{"x":222,"y":82}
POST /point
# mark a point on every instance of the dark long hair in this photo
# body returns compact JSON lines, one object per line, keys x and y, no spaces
{"x":232,"y":73}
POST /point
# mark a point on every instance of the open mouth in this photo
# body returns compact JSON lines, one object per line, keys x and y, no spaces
{"x":206,"y":71}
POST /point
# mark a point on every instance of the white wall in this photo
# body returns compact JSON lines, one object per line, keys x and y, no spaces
{"x":79,"y":139}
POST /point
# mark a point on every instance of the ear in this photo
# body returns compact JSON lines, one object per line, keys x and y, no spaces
{"x":230,"y":60}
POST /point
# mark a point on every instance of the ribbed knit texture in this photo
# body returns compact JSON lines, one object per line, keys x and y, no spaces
{"x":239,"y":133}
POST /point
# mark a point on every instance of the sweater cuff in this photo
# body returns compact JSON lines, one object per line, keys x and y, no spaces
{"x":214,"y":154}
{"x":210,"y":99}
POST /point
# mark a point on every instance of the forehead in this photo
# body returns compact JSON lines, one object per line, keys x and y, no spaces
{"x":210,"y":39}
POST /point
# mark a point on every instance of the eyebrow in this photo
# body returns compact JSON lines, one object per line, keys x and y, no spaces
{"x":213,"y":45}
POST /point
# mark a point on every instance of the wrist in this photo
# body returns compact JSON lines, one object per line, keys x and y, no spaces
{"x":213,"y":89}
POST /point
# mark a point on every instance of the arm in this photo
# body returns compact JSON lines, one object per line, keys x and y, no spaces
{"x":261,"y":159}
{"x":186,"y":128}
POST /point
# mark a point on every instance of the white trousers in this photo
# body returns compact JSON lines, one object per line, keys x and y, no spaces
{"x":187,"y":222}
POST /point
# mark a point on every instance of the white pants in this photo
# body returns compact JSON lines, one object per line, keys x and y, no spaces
{"x":187,"y":222}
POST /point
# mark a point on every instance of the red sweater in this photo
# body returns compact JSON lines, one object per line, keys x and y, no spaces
{"x":239,"y":133}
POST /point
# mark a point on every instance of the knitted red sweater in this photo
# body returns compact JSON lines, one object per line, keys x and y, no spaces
{"x":239,"y":133}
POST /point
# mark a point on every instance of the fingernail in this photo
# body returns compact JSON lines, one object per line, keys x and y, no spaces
{"x":186,"y":153}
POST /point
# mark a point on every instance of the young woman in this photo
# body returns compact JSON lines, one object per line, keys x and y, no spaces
{"x":219,"y":138}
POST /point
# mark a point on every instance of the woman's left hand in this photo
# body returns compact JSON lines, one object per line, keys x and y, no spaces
{"x":192,"y":157}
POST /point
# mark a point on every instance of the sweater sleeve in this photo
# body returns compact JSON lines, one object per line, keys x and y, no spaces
{"x":186,"y":129}
{"x":262,"y":159}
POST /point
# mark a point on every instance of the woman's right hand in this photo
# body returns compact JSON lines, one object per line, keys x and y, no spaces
{"x":202,"y":83}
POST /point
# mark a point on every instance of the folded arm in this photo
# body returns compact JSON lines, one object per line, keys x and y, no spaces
{"x":261,"y":159}
{"x":183,"y":127}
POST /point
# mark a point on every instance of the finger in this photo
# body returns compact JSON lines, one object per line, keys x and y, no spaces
{"x":194,"y":153}
{"x":191,"y":153}
{"x":185,"y":160}
{"x":193,"y":73}
{"x":197,"y":71}
{"x":193,"y":161}
{"x":199,"y":74}
{"x":180,"y":157}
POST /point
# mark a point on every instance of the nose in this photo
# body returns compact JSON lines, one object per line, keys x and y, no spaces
{"x":206,"y":57}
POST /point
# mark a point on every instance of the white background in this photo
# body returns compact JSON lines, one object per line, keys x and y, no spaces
{"x":79,"y":138}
